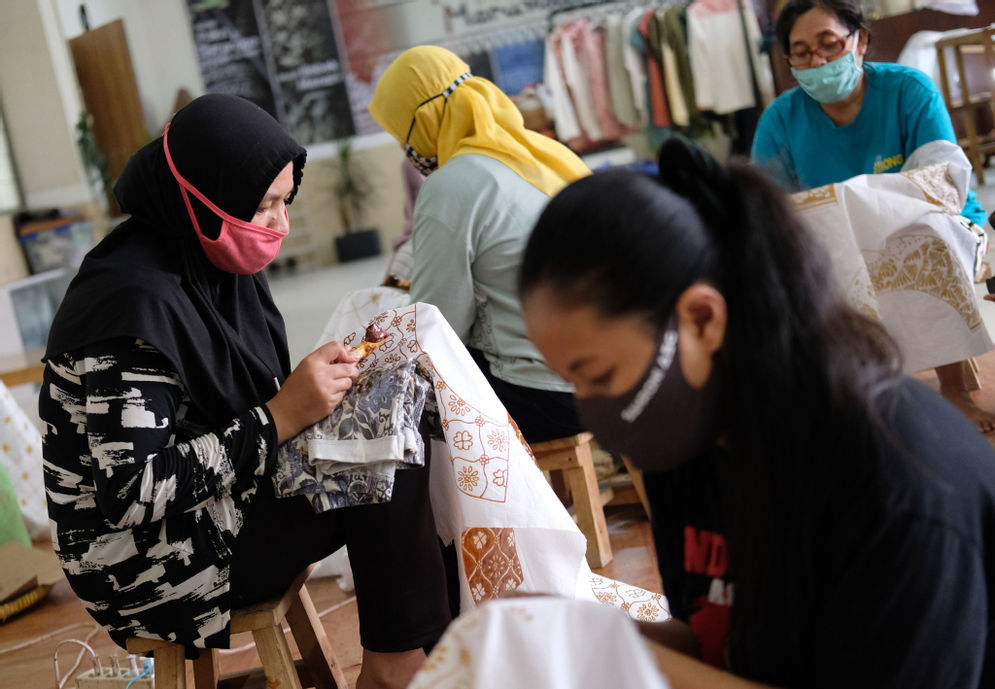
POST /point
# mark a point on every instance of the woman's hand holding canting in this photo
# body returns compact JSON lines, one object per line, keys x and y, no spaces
{"x":313,"y":390}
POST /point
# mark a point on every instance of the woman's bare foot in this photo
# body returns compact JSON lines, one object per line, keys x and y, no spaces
{"x":984,"y":420}
{"x":389,"y":670}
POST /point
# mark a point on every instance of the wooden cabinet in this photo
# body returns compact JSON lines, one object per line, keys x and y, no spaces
{"x":110,"y":93}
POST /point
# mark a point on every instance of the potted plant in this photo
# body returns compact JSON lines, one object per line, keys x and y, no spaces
{"x":94,"y":162}
{"x":352,"y":191}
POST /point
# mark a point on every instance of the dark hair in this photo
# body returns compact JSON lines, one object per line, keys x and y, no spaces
{"x":801,"y":369}
{"x":848,"y":12}
{"x":578,"y":246}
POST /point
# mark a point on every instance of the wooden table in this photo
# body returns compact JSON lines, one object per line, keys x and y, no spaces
{"x":22,"y":368}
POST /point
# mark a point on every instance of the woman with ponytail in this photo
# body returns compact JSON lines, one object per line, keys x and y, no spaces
{"x":488,"y":178}
{"x":819,"y":519}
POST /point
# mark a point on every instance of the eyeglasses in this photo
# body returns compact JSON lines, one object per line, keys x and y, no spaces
{"x":830,"y":48}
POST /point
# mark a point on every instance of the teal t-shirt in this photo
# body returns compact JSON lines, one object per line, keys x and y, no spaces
{"x":801,"y":148}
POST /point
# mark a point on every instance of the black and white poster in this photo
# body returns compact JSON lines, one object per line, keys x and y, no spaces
{"x":282,"y":55}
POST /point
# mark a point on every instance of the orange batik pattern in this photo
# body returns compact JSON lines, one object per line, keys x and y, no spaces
{"x":479,"y":453}
{"x":491,"y":562}
{"x":507,"y":541}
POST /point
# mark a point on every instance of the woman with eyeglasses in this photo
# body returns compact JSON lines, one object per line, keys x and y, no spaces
{"x":850,"y":117}
{"x":488,"y":178}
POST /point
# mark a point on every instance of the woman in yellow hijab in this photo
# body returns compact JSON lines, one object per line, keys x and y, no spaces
{"x":488,"y":180}
{"x":428,"y":100}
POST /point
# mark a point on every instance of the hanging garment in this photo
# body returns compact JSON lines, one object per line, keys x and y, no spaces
{"x":668,"y":62}
{"x":623,"y":101}
{"x":578,"y":80}
{"x":720,"y":56}
{"x":901,"y":253}
{"x":591,"y":48}
{"x":659,"y":108}
{"x":680,"y":87}
{"x":635,"y":63}
{"x":564,"y":116}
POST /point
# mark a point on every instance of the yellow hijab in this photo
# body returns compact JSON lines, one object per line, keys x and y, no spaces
{"x":477,"y":117}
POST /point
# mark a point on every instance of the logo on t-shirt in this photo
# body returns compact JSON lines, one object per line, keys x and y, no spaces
{"x":706,"y":554}
{"x":885,"y":164}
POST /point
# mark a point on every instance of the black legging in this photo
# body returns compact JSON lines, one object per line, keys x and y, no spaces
{"x":393,"y":549}
{"x":540,"y":414}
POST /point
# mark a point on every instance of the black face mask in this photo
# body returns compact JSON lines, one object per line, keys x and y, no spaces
{"x":662,"y":421}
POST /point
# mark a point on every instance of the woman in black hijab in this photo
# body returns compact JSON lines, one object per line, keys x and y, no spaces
{"x":168,"y":390}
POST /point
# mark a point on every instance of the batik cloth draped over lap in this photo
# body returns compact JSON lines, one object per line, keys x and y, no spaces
{"x":488,"y":495}
{"x":349,"y":457}
{"x":901,"y":253}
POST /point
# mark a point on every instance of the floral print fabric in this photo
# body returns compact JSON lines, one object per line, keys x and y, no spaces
{"x":349,"y":457}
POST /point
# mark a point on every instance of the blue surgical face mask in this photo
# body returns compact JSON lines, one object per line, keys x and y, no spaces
{"x":832,"y":81}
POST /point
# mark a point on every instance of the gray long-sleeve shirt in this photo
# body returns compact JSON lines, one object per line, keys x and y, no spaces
{"x":471,"y":222}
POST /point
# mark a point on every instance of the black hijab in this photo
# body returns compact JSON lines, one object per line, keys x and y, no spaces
{"x":150,"y":279}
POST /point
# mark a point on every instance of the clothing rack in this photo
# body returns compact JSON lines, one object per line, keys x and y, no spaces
{"x":594,"y":11}
{"x":585,"y":112}
{"x":512,"y":31}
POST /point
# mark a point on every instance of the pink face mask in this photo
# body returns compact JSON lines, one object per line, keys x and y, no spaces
{"x":241,"y":247}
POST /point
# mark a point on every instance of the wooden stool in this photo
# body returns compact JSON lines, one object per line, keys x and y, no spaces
{"x":976,"y":145}
{"x":572,"y":456}
{"x":318,"y":666}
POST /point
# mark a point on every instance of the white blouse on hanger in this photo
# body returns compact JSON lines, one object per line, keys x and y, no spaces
{"x":717,"y":50}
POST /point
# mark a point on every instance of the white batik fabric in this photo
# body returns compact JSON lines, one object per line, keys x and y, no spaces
{"x":349,"y":457}
{"x":20,"y":454}
{"x":488,"y":496}
{"x":145,"y":501}
{"x":554,"y":643}
{"x":901,"y":252}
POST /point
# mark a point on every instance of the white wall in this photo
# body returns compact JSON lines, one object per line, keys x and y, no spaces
{"x":10,"y":196}
{"x":41,"y":103}
{"x":12,"y":263}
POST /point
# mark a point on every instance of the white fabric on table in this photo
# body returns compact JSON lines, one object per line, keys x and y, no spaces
{"x":902,"y":254}
{"x":552,"y":643}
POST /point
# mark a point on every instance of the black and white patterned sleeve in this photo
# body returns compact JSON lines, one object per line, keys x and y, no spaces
{"x":141,"y":470}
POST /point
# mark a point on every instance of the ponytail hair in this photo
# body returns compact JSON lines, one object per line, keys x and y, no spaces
{"x":800,"y":367}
